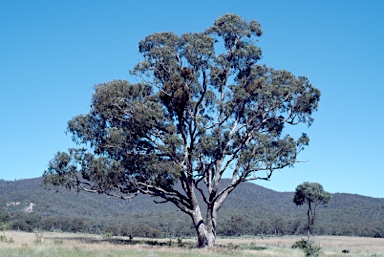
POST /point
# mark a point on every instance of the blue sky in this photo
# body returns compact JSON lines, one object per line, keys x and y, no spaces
{"x":52,"y":53}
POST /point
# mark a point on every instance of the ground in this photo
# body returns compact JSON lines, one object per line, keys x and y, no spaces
{"x":49,"y":244}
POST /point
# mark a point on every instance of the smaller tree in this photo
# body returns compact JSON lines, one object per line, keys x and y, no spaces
{"x":313,"y":194}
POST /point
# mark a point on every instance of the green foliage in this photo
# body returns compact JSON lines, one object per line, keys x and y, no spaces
{"x":4,"y":226}
{"x":308,"y":248}
{"x":38,"y":239}
{"x":74,"y":224}
{"x":107,"y":235}
{"x":170,"y":243}
{"x":21,"y":225}
{"x":301,"y":244}
{"x":5,"y":239}
{"x":237,"y":225}
{"x":311,"y":193}
{"x":180,"y":242}
{"x":203,"y":104}
{"x":4,"y":216}
{"x":111,"y":231}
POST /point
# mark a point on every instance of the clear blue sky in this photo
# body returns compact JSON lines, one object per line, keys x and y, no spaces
{"x":52,"y":53}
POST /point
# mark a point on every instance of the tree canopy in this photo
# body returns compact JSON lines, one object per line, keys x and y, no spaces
{"x":203,"y":106}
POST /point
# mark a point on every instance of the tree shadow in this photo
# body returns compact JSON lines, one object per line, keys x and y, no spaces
{"x":124,"y":241}
{"x":257,"y":248}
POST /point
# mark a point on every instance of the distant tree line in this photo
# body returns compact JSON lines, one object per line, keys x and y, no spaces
{"x":139,"y":225}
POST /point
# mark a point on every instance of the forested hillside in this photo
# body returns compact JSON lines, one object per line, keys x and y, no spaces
{"x":251,"y":209}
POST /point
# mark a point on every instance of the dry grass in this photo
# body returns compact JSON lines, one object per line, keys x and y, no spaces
{"x":66,"y":244}
{"x":331,"y":245}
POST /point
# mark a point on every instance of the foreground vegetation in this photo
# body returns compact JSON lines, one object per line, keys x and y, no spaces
{"x":50,"y":244}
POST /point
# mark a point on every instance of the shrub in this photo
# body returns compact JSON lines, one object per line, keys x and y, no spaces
{"x":308,"y":248}
{"x":112,"y":230}
{"x":5,"y":239}
{"x":38,"y":239}
{"x":107,"y":235}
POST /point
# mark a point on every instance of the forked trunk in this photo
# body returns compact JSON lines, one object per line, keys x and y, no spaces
{"x":204,"y":237}
{"x":206,"y":231}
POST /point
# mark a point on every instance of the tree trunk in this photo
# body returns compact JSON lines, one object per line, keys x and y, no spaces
{"x":308,"y":226}
{"x":206,"y":232}
{"x":309,"y":221}
{"x":211,"y":225}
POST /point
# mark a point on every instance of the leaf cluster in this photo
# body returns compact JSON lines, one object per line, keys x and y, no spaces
{"x":311,"y":193}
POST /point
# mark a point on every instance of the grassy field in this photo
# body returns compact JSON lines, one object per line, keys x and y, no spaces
{"x":48,"y":244}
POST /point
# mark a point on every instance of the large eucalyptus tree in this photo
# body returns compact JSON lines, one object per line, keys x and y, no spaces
{"x":203,"y":107}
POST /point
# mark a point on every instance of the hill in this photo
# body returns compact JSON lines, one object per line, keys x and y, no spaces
{"x":250,"y":209}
